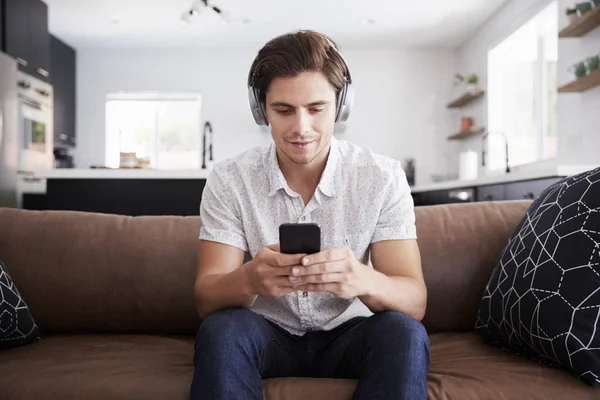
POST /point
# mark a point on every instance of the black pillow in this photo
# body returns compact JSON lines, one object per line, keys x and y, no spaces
{"x":543,"y":298}
{"x":17,"y":326}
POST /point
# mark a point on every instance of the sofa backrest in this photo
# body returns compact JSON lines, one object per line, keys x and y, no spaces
{"x":459,"y":246}
{"x":86,"y":272}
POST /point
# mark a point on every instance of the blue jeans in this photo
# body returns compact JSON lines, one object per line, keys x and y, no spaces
{"x":236,"y":349}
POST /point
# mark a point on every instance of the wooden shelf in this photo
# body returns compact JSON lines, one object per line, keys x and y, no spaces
{"x":583,"y":25}
{"x":466,"y":98}
{"x":466,"y":134}
{"x":582,"y":84}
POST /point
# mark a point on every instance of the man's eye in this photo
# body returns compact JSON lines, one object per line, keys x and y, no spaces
{"x":284,"y":112}
{"x":317,"y":110}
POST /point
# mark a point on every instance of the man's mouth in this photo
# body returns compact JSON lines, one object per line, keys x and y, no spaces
{"x":301,"y":144}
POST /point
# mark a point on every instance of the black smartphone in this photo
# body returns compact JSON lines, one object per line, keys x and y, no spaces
{"x":300,"y":238}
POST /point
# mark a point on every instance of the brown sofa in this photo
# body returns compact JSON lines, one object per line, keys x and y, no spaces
{"x":113,"y":296}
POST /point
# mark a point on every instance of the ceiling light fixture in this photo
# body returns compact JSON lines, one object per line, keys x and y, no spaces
{"x":199,"y":6}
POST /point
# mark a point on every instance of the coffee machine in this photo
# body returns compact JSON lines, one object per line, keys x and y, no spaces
{"x":62,"y":158}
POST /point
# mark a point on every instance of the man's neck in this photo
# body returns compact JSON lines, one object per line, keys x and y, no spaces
{"x":303,"y":179}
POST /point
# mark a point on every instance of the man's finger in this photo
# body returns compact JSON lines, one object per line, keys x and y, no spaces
{"x":317,"y":278}
{"x":331,"y":254}
{"x":277,"y":259}
{"x":322,"y":268}
{"x":274,"y":247}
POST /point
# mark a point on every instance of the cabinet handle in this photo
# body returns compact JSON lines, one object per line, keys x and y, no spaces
{"x":22,"y":62}
{"x":42,"y":92}
{"x":30,"y":179}
{"x":43,"y":72}
{"x":487,"y":197}
{"x":528,"y":195}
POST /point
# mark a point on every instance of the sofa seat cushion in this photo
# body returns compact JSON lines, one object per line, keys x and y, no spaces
{"x":157,"y":367}
{"x":98,"y":367}
{"x":465,"y":367}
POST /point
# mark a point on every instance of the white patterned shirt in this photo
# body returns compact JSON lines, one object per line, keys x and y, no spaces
{"x":361,"y":198}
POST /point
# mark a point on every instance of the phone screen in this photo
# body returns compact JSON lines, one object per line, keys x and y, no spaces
{"x":300,"y":238}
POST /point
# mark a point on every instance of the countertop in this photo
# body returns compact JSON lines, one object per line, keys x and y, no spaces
{"x":558,"y":170}
{"x":115,"y":173}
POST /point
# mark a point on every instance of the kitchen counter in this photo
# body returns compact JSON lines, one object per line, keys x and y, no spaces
{"x":116,"y":173}
{"x":556,"y":171}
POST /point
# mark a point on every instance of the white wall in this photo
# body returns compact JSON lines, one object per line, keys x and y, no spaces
{"x":577,"y":124}
{"x":399,"y":104}
{"x":578,"y":116}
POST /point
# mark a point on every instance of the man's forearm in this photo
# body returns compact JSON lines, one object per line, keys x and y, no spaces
{"x":216,"y":292}
{"x":397,"y":293}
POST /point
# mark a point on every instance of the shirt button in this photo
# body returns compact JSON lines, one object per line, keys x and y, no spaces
{"x":303,"y":218}
{"x":305,"y":294}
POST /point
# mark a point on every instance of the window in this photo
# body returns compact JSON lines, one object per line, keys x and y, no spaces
{"x":522,"y":82}
{"x":164,"y":128}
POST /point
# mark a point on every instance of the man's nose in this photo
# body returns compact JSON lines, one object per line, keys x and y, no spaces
{"x":301,"y":121}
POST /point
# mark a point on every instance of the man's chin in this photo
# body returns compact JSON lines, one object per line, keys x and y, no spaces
{"x":301,"y":160}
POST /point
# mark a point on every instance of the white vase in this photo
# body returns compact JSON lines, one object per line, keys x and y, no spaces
{"x":471,"y":87}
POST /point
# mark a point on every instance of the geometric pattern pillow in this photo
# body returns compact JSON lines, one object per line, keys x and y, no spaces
{"x":543,"y":297}
{"x":17,"y":326}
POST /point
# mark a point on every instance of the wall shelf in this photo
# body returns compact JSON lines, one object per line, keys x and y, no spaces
{"x":583,"y":25}
{"x":582,"y":84}
{"x":467,"y":134}
{"x":466,"y":98}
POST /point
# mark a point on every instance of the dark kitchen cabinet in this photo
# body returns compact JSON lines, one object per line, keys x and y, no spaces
{"x":460,"y":195}
{"x":528,"y":190}
{"x":63,"y":66}
{"x":516,"y":190}
{"x":39,"y":39}
{"x":26,"y":36}
{"x":491,"y":192}
{"x":1,"y":25}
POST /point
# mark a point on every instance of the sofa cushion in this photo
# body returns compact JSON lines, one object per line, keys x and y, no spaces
{"x":543,"y":298}
{"x":147,"y":367}
{"x":17,"y":327}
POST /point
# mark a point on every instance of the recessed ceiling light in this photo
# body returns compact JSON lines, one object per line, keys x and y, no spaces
{"x":366,"y":21}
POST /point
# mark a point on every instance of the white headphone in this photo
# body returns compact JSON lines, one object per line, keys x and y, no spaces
{"x":344,"y":102}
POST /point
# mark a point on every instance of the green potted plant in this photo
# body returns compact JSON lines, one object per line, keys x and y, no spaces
{"x":572,"y":14}
{"x":578,"y":69}
{"x":583,"y":8}
{"x":593,"y":63}
{"x":472,"y":81}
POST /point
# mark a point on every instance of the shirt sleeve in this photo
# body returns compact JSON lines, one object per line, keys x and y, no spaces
{"x":219,"y":213}
{"x":397,"y":216}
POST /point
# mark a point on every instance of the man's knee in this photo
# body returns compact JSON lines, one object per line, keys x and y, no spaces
{"x":394,"y":324}
{"x":227,"y":324}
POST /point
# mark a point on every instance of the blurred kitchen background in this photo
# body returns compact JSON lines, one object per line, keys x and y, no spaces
{"x":124,"y":106}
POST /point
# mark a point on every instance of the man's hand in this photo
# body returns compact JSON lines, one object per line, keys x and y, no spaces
{"x":334,"y":270}
{"x":268,"y":272}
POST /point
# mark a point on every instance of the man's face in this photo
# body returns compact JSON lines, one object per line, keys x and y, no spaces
{"x":301,"y":114}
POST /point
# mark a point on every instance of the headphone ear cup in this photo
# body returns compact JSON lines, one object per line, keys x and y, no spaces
{"x":257,"y":109}
{"x":346,"y":102}
{"x":339,"y":102}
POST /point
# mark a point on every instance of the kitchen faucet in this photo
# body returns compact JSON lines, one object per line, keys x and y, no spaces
{"x":208,"y":126}
{"x":484,"y":138}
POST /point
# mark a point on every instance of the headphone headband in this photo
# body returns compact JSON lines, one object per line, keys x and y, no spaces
{"x":345,"y":98}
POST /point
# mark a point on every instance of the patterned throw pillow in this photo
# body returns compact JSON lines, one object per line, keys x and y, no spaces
{"x":543,"y":298}
{"x":17,"y":326}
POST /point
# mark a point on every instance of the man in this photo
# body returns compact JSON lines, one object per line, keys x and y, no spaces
{"x":330,"y":314}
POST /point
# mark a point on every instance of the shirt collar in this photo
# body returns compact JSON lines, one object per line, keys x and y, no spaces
{"x":277,"y":180}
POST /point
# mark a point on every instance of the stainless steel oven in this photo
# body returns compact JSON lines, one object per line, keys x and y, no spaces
{"x":36,"y":120}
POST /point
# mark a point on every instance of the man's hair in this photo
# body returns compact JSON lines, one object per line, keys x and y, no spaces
{"x":290,"y":54}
